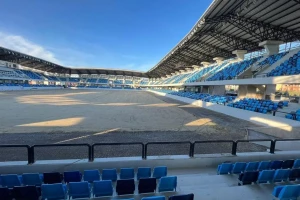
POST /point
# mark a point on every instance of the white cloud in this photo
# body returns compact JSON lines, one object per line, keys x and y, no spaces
{"x":20,"y":44}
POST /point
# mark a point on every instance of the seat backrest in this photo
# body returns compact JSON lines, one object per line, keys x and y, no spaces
{"x":147,"y":185}
{"x":52,"y":177}
{"x":287,"y":164}
{"x":264,"y":165}
{"x":91,"y":175}
{"x":125,"y":186}
{"x":251,"y":166}
{"x":294,"y":174}
{"x":296,"y":163}
{"x":276,"y":164}
{"x":160,"y":171}
{"x":109,"y":174}
{"x":32,"y":179}
{"x":79,"y":189}
{"x":238,"y":167}
{"x":103,"y":188}
{"x":289,"y":192}
{"x":26,"y":192}
{"x":154,"y":198}
{"x":225,"y":168}
{"x":281,"y":175}
{"x":143,"y":172}
{"x":5,"y":193}
{"x":265,"y":176}
{"x":51,"y":191}
{"x":250,"y":177}
{"x":168,"y":183}
{"x":10,"y":180}
{"x":72,"y":176}
{"x":182,"y":197}
{"x":126,"y":173}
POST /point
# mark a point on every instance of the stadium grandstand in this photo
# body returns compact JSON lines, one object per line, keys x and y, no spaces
{"x":218,"y":117}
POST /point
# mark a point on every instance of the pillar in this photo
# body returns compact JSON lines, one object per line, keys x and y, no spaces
{"x":240,"y":54}
{"x":271,"y":46}
{"x":205,"y":64}
{"x":219,"y":60}
{"x":205,"y":89}
{"x":270,"y":92}
{"x":242,"y":91}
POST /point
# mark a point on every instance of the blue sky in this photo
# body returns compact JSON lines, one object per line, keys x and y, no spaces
{"x":122,"y":34}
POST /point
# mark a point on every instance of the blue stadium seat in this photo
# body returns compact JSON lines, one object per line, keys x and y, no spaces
{"x":286,"y":192}
{"x":276,"y":164}
{"x":159,"y":172}
{"x":248,"y":178}
{"x":52,"y":177}
{"x":125,"y":186}
{"x":79,"y":190}
{"x":143,"y":172}
{"x":54,"y":191}
{"x":91,"y":175}
{"x":266,"y":176}
{"x":109,"y":174}
{"x":103,"y":188}
{"x":281,"y":175}
{"x":147,"y":185}
{"x":287,"y":164}
{"x":296,"y":163}
{"x":26,"y":192}
{"x":251,"y":166}
{"x":154,"y":198}
{"x":126,"y":173}
{"x":182,"y":197}
{"x":168,"y":183}
{"x":294,"y":175}
{"x":72,"y":176}
{"x":5,"y":193}
{"x":32,"y":179}
{"x":10,"y":180}
{"x":264,"y":165}
{"x":225,"y":168}
{"x":238,"y":167}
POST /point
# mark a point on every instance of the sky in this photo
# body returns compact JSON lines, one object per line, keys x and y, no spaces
{"x":120,"y":34}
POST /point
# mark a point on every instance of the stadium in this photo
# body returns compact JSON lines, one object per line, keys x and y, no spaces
{"x":218,"y":117}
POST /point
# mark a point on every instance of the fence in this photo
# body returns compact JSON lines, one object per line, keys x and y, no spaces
{"x":145,"y":146}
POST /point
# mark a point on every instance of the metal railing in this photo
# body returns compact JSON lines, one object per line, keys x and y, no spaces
{"x":144,"y":146}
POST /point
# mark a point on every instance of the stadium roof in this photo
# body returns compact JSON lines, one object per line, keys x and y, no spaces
{"x":229,"y":25}
{"x":43,"y":65}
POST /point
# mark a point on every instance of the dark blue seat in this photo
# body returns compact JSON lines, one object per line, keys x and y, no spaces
{"x":54,"y":191}
{"x":125,"y":186}
{"x":294,"y":175}
{"x":10,"y":180}
{"x":143,"y":172}
{"x":109,"y":174}
{"x":247,"y":178}
{"x":147,"y":185}
{"x":281,"y":175}
{"x":238,"y":167}
{"x":72,"y":176}
{"x":79,"y":190}
{"x":26,"y":192}
{"x":159,"y":172}
{"x":266,"y":176}
{"x":52,"y":177}
{"x":5,"y":193}
{"x":91,"y":175}
{"x":154,"y":198}
{"x":286,"y":192}
{"x":225,"y":168}
{"x":251,"y":166}
{"x":32,"y":179}
{"x":264,"y":165}
{"x":182,"y":197}
{"x":126,"y":173}
{"x":276,"y":164}
{"x":296,"y":163}
{"x":168,"y":183}
{"x":103,"y":188}
{"x":287,"y":164}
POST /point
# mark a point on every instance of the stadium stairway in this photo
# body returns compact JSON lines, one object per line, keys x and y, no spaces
{"x":249,"y":71}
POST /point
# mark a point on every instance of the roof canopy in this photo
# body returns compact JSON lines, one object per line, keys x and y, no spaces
{"x":229,"y":25}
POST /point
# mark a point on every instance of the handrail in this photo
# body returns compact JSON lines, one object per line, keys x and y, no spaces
{"x":144,"y":153}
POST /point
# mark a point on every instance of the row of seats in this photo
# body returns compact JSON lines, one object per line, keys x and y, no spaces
{"x":199,"y":73}
{"x":219,"y":99}
{"x":270,"y":60}
{"x":239,"y":167}
{"x":288,"y":67}
{"x":91,"y":80}
{"x":31,"y":75}
{"x":294,"y":115}
{"x":11,"y":180}
{"x":286,"y":192}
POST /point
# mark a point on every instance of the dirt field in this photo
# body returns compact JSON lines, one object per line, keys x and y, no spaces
{"x":97,"y":116}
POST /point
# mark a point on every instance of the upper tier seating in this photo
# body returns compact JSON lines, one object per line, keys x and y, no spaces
{"x":31,"y":74}
{"x":180,"y":77}
{"x":118,"y":82}
{"x":10,"y":74}
{"x":51,"y":78}
{"x":101,"y":80}
{"x":271,"y":59}
{"x":143,"y":82}
{"x":198,"y":74}
{"x":128,"y":82}
{"x":74,"y":79}
{"x":288,"y":67}
{"x":91,"y":80}
{"x":63,"y":79}
{"x":233,"y":70}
